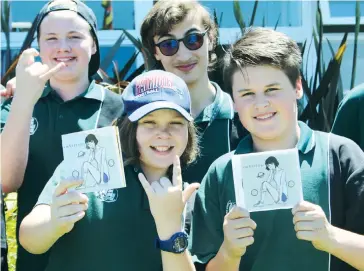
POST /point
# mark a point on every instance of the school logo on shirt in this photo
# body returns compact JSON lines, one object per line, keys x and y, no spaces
{"x":33,"y":126}
{"x":109,"y":195}
{"x":229,"y":206}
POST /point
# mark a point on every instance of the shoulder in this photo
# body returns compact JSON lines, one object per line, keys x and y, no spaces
{"x":355,"y":96}
{"x":221,"y":166}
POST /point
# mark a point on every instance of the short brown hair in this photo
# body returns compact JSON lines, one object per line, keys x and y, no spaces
{"x":129,"y":145}
{"x":166,"y":14}
{"x":262,"y":46}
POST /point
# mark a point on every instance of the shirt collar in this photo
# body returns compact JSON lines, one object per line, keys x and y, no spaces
{"x":222,"y":107}
{"x":93,"y":91}
{"x":305,"y":143}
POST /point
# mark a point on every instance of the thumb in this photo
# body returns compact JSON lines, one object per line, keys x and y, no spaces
{"x":46,"y":76}
{"x":187,"y":193}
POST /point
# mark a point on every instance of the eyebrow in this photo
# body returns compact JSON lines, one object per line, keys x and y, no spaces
{"x":71,"y":32}
{"x":267,"y":86}
{"x":186,"y":33}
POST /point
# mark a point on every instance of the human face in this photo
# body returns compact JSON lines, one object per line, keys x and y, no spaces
{"x":271,"y":166}
{"x":65,"y":37}
{"x":91,"y":145}
{"x":266,"y":102}
{"x":190,"y":65}
{"x":161,"y":135}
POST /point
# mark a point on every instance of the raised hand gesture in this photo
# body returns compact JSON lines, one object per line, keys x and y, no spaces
{"x":167,"y":200}
{"x":32,"y":76}
{"x":67,"y":207}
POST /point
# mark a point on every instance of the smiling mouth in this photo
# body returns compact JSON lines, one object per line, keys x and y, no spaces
{"x":64,"y":59}
{"x":265,"y":116}
{"x":162,"y":149}
{"x":186,"y":67}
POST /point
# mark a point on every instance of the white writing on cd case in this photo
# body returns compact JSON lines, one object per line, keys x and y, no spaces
{"x":267,"y":180}
{"x":95,"y":157}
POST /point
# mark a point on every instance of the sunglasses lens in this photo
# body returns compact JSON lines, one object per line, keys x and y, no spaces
{"x":193,"y":41}
{"x":168,"y":47}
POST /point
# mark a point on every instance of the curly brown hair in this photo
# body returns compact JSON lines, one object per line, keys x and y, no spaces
{"x":166,"y":14}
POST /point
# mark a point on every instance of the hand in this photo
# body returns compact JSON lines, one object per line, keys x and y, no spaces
{"x":67,"y":207}
{"x":238,"y":232}
{"x":9,"y":90}
{"x":32,"y":76}
{"x":167,"y":200}
{"x":310,"y":224}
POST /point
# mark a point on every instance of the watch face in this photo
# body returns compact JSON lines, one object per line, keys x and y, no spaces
{"x":180,"y":244}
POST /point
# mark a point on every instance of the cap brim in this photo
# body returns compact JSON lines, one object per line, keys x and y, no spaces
{"x":146,"y":109}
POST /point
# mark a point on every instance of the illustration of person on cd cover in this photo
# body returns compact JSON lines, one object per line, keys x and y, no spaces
{"x":275,"y":185}
{"x":95,"y":170}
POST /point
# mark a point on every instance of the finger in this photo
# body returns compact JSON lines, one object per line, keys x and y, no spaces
{"x":147,"y":187}
{"x":237,"y":212}
{"x":245,"y":241}
{"x":305,"y":216}
{"x":71,"y":209}
{"x":240,"y":223}
{"x":72,"y":218}
{"x":306,"y":235}
{"x":189,"y":190}
{"x":303,"y":206}
{"x":46,"y":76}
{"x":177,"y":176}
{"x":243,"y":233}
{"x":304,"y":226}
{"x":165,"y":182}
{"x":73,"y":197}
{"x":64,"y":185}
{"x":158,"y":189}
{"x":27,"y":57}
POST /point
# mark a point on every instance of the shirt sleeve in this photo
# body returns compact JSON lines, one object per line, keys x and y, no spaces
{"x":46,"y":195}
{"x":347,"y":119}
{"x":5,"y":109}
{"x":207,"y":224}
{"x":350,"y":168}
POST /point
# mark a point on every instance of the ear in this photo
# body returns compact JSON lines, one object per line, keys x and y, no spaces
{"x":157,"y":54}
{"x":94,"y":48}
{"x":299,"y":89}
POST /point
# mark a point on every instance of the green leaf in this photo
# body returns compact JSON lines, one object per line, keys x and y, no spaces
{"x":253,"y":13}
{"x":327,"y":78}
{"x":128,"y":66}
{"x":276,"y":25}
{"x":149,"y":60}
{"x":357,"y":30}
{"x":105,"y":63}
{"x":239,"y":16}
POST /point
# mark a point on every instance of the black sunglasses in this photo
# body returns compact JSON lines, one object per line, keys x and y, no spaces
{"x":192,"y":41}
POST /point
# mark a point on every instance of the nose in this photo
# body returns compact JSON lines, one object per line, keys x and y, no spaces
{"x":261,"y":103}
{"x":63,"y":45}
{"x":163,"y":132}
{"x":183,"y":53}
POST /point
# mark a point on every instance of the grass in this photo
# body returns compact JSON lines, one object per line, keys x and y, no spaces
{"x":10,"y":218}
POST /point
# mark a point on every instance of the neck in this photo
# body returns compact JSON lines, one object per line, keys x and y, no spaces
{"x":153,"y":174}
{"x":69,"y":89}
{"x":288,"y":142}
{"x":202,"y":94}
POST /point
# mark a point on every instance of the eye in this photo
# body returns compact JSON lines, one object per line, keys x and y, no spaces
{"x":272,"y":89}
{"x":51,"y":38}
{"x":75,"y":37}
{"x":177,"y":123}
{"x":245,"y":94}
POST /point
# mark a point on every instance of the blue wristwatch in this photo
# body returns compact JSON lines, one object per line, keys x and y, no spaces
{"x":176,"y":244}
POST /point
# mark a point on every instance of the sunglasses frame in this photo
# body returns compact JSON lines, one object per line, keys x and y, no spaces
{"x":184,"y":42}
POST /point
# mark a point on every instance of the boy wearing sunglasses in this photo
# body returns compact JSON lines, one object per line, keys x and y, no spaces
{"x":181,"y":36}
